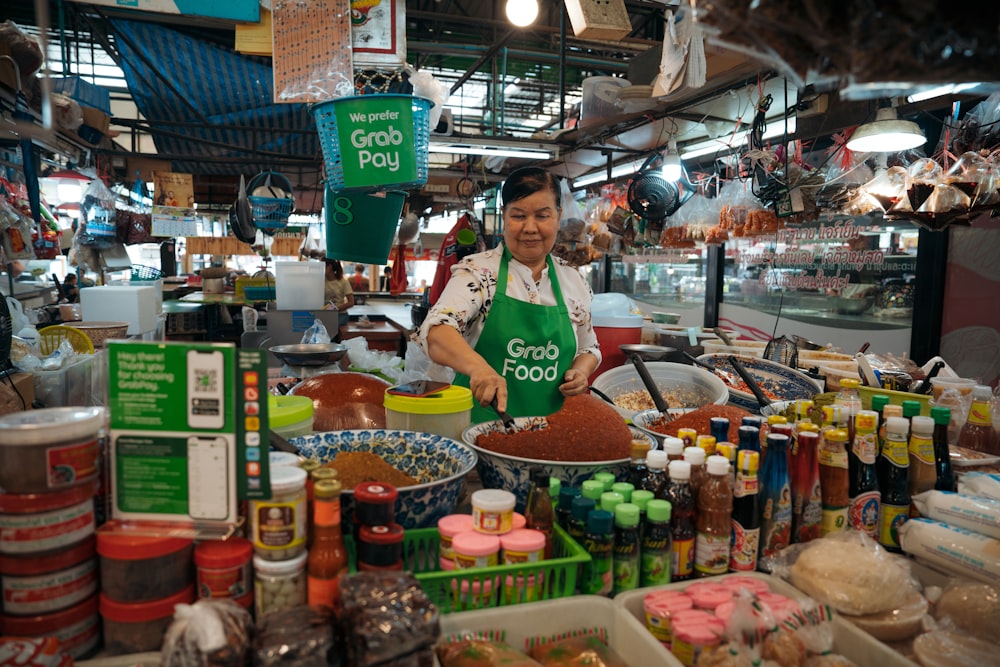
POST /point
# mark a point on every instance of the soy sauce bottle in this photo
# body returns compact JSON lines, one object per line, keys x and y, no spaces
{"x":894,"y":469}
{"x":682,"y":526}
{"x":942,"y":456}
{"x":863,"y":490}
{"x":744,"y":541}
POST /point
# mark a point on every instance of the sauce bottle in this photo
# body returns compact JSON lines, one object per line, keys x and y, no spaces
{"x":706,"y":442}
{"x":923,"y":473}
{"x":744,"y":539}
{"x":775,"y":498}
{"x":599,"y":543}
{"x":654,"y":568}
{"x":890,"y":410}
{"x":538,"y":512}
{"x":696,"y":457}
{"x":978,"y":433}
{"x":327,"y":560}
{"x":834,"y":480}
{"x":581,"y":507}
{"x":674,"y":447}
{"x":804,"y":474}
{"x":942,"y":455}
{"x":879,"y":401}
{"x":688,"y":436}
{"x":655,"y":479}
{"x":625,"y":558}
{"x":849,"y":401}
{"x":641,"y":498}
{"x":865,"y":497}
{"x":749,"y":439}
{"x":564,"y":506}
{"x":682,"y":526}
{"x":893,"y":480}
{"x":713,"y":525}
{"x":637,"y":466}
{"x":718,"y":427}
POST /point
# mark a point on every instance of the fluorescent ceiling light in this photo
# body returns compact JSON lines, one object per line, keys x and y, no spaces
{"x":495,"y":151}
{"x":939,"y":91}
{"x":886,"y":134}
{"x":616,"y":172}
{"x":712,"y":146}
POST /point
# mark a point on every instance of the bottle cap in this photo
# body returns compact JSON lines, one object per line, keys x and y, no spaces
{"x":748,"y":462}
{"x":911,"y":408}
{"x":706,"y":442}
{"x":749,"y":432}
{"x":922,"y":425}
{"x":866,"y":420}
{"x":658,"y":510}
{"x":981,"y":393}
{"x":680,"y":469}
{"x":694,"y":455}
{"x":609,"y":499}
{"x":806,"y":426}
{"x":592,"y":488}
{"x":777,"y":419}
{"x":624,"y":488}
{"x":718,"y":422}
{"x":656,"y":459}
{"x":726,"y":450}
{"x":605,"y":478}
{"x":897,"y":425}
{"x":879,"y":401}
{"x":627,"y":515}
{"x":600,"y":522}
{"x":717,"y":465}
{"x":752,"y":420}
{"x":566,"y":496}
{"x":639,"y":448}
{"x":941,"y":415}
{"x":581,"y":506}
{"x":540,"y":477}
{"x":641,"y":497}
{"x":850,"y":383}
{"x":835,"y":435}
{"x":555,"y":484}
{"x":673,"y":446}
{"x":777,"y":440}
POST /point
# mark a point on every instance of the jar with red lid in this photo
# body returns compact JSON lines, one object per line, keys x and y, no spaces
{"x":78,"y":628}
{"x":139,"y":626}
{"x":380,"y":547}
{"x":140,"y":568}
{"x":48,"y":583}
{"x":224,"y":571}
{"x":36,"y":523}
{"x":374,"y":504}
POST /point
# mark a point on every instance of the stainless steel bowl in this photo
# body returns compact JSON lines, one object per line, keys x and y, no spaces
{"x":309,"y":354}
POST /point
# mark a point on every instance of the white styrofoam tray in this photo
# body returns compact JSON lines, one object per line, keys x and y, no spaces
{"x":854,"y":644}
{"x":626,"y":636}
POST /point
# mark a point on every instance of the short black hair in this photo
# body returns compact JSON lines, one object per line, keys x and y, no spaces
{"x":527,"y":181}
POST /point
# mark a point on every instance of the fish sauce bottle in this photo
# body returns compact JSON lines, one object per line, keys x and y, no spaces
{"x":655,"y":556}
{"x":714,"y":520}
{"x":863,"y":491}
{"x":626,"y":555}
{"x":599,"y":543}
{"x":849,"y":400}
{"x":682,"y":521}
{"x":637,"y":465}
{"x":942,"y":455}
{"x":807,"y":505}
{"x":894,"y":481}
{"x":923,"y":473}
{"x":538,"y":512}
{"x":978,"y":433}
{"x":834,"y":480}
{"x":744,"y":541}
{"x":775,"y":499}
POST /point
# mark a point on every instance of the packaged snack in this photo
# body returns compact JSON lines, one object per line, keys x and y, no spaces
{"x":589,"y":651}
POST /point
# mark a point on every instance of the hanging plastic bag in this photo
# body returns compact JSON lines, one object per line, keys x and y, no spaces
{"x":572,"y":241}
{"x":316,"y":333}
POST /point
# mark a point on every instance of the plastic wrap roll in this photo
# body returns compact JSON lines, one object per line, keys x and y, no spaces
{"x":956,"y":550}
{"x":980,"y":515}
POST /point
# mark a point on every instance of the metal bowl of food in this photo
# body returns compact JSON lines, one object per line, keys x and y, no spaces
{"x":309,"y":354}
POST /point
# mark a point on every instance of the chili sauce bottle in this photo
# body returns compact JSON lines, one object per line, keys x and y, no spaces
{"x":923,"y":472}
{"x":626,"y":555}
{"x":744,"y":540}
{"x":863,"y":490}
{"x":942,"y":455}
{"x":674,"y":447}
{"x":599,"y":543}
{"x":978,"y":433}
{"x":775,"y":498}
{"x":714,"y":522}
{"x":893,"y":480}
{"x":655,"y":555}
{"x":807,"y":509}
{"x":696,"y":457}
{"x":682,"y":516}
{"x":327,"y":560}
{"x":834,"y":474}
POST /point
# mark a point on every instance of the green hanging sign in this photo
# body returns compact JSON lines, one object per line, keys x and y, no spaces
{"x":376,"y":139}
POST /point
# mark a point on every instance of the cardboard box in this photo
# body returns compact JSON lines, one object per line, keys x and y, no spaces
{"x":17,"y":392}
{"x":84,"y":92}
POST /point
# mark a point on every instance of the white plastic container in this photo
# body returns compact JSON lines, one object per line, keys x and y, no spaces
{"x":445,"y":413}
{"x":299,"y":285}
{"x":124,"y":303}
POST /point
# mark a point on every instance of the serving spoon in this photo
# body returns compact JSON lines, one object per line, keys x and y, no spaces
{"x":636,"y":354}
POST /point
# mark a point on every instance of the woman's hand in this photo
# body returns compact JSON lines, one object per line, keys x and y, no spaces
{"x":576,"y":379}
{"x":446,"y":346}
{"x":486,"y":384}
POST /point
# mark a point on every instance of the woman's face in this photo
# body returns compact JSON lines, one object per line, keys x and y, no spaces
{"x":530,"y":226}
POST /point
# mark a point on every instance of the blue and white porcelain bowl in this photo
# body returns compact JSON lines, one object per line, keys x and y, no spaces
{"x":645,"y":419}
{"x":500,"y":471}
{"x":439,"y":463}
{"x":785,"y":383}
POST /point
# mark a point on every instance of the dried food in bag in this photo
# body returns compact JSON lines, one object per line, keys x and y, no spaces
{"x":481,"y":652}
{"x":298,"y":637}
{"x":208,"y":633}
{"x":971,"y":607}
{"x":589,"y":650}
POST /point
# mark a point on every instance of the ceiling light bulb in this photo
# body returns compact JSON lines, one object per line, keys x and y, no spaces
{"x":886,"y":134}
{"x":69,"y":192}
{"x":672,"y":163}
{"x":522,"y":12}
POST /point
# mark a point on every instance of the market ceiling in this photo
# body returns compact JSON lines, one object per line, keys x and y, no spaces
{"x":209,"y":108}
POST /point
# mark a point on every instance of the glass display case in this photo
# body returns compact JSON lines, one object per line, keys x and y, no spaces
{"x":664,"y":279}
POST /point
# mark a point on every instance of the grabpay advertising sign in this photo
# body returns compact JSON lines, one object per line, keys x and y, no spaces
{"x":376,"y":140}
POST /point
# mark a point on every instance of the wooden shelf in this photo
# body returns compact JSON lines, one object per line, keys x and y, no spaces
{"x":230,"y":245}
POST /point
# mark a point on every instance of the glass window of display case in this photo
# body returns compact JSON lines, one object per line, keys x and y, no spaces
{"x":658,"y":278}
{"x":842,"y":280}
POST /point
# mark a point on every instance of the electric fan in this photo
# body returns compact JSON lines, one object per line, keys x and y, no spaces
{"x":653,"y":197}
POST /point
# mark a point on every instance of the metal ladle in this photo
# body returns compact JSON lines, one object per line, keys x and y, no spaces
{"x":638,"y":355}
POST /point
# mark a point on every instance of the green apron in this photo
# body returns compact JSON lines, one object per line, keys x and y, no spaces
{"x":530,"y":345}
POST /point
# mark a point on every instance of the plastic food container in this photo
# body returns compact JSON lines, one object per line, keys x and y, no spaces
{"x":445,"y":413}
{"x":612,"y":331}
{"x":475,"y":549}
{"x":380,"y":546}
{"x":34,"y":523}
{"x":448,"y":527}
{"x":375,"y":504}
{"x":290,"y":416}
{"x":78,"y":628}
{"x":49,"y":583}
{"x":523,"y":546}
{"x":223,"y":570}
{"x":280,"y":459}
{"x":139,"y":568}
{"x":279,"y":584}
{"x":493,"y":511}
{"x":278,"y":526}
{"x":138,"y":627}
{"x":51,"y":449}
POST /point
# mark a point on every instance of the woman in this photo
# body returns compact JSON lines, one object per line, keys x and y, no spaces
{"x":337,"y":292}
{"x":513,"y":322}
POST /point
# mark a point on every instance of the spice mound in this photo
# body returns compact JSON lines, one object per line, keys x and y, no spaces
{"x":354,"y":468}
{"x":700,"y":420}
{"x":585,"y":429}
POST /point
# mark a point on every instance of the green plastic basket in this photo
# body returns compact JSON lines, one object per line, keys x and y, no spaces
{"x":487,"y":587}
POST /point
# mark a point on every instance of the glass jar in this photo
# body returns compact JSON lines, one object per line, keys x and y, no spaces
{"x":278,"y":525}
{"x":279,"y":585}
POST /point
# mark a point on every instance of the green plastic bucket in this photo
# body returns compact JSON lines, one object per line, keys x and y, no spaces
{"x":359,"y":226}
